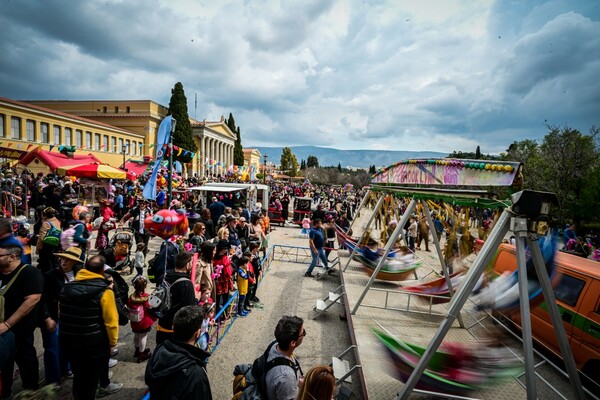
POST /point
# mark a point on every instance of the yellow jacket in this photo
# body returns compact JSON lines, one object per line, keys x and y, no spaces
{"x":108,"y":305}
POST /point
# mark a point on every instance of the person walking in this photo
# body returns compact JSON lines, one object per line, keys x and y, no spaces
{"x":317,"y":244}
{"x":89,"y":329}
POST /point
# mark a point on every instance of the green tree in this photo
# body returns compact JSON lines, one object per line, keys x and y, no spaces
{"x":288,"y":162}
{"x":312,"y":162}
{"x":372,"y":169}
{"x":183,"y":136}
{"x":339,"y":167}
{"x":302,"y":165}
{"x":238,"y":152}
{"x":477,"y":153}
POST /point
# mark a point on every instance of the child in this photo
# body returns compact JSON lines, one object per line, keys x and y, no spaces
{"x":24,"y":239}
{"x":207,"y":322}
{"x":141,"y":317}
{"x":242,"y":284}
{"x":257,"y":270}
{"x":139,"y":260}
{"x":305,"y":226}
{"x":205,"y":295}
{"x":251,"y":282}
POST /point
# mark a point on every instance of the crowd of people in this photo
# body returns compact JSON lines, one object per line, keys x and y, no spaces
{"x":61,"y":275}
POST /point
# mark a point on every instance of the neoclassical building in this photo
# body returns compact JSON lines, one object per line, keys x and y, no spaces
{"x":215,"y":141}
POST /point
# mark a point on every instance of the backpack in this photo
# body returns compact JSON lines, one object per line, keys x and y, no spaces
{"x":163,"y":261}
{"x":249,"y":381}
{"x":52,"y":237}
{"x":160,"y":299}
{"x":136,"y":313}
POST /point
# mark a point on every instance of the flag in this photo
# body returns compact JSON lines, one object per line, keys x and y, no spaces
{"x":19,"y":146}
{"x":51,"y":147}
{"x":29,"y":146}
{"x":9,"y":145}
{"x":164,"y":133}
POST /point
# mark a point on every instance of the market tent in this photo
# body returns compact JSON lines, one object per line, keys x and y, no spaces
{"x":38,"y":160}
{"x":94,"y":170}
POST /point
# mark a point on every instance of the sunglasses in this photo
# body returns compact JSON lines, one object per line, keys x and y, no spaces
{"x":302,"y":334}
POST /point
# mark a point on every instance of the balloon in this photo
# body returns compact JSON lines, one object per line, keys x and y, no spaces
{"x":166,"y":223}
{"x":78,"y":210}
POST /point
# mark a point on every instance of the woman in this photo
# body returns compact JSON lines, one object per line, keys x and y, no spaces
{"x":318,"y":384}
{"x":197,"y":236}
{"x":45,"y":250}
{"x":205,"y":218}
{"x":224,"y":274}
{"x":106,"y":214}
{"x":204,"y":269}
{"x":256,"y":233}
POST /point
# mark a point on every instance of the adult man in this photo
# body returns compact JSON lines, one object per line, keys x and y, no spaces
{"x":6,"y":235}
{"x":177,"y":369}
{"x":282,"y":381}
{"x":182,"y":294}
{"x":318,"y":213}
{"x":139,"y":214}
{"x":21,"y":285}
{"x":89,"y":329}
{"x":55,"y":364}
{"x":317,"y":243}
{"x":243,"y":232}
{"x":233,"y":239}
{"x":217,"y":209}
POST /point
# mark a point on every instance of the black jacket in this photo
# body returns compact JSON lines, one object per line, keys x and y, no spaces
{"x":177,"y":371}
{"x":54,"y":280}
{"x":182,"y":294}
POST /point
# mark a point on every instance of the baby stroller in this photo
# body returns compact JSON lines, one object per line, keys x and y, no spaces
{"x":121,"y":244}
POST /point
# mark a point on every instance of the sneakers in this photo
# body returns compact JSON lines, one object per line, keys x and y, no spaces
{"x":255,"y":299}
{"x":307,"y":275}
{"x":144,"y":355}
{"x":114,"y":352}
{"x":112,"y":362}
{"x":110,"y":389}
{"x":243,"y":314}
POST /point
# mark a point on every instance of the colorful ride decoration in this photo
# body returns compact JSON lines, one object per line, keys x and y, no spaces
{"x":457,"y":368}
{"x":437,"y":292}
{"x":449,"y":172}
{"x":166,"y":223}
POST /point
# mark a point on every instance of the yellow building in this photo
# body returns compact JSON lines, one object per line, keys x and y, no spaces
{"x":142,"y":117}
{"x":252,"y":158}
{"x":23,"y":124}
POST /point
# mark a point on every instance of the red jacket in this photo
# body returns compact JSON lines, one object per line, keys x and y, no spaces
{"x":148,"y":320}
{"x":224,"y":281}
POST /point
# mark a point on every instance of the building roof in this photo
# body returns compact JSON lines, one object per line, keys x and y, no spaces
{"x":55,"y":159}
{"x":63,"y":114}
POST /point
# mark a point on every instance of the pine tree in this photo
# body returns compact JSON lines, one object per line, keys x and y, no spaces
{"x":478,"y":153}
{"x":302,"y":165}
{"x":339,"y":167}
{"x":183,"y":136}
{"x":238,"y":153}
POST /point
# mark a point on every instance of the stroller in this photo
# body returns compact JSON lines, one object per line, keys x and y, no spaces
{"x":121,"y":244}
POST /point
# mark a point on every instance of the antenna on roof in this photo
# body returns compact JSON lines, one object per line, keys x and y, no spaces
{"x":195,"y":104}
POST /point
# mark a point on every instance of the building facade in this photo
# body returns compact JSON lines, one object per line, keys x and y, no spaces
{"x":252,"y":158}
{"x":24,"y":125}
{"x":216,"y":142}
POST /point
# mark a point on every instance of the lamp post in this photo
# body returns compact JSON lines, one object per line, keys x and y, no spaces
{"x":265,"y":168}
{"x":124,"y":152}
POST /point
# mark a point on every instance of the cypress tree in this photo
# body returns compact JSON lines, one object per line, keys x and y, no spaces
{"x":238,"y":153}
{"x":183,"y":136}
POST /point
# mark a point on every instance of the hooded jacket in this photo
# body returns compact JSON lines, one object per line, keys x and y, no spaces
{"x":176,"y":371}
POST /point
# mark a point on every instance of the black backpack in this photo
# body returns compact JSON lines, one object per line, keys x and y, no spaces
{"x":249,"y":382}
{"x":121,"y":290}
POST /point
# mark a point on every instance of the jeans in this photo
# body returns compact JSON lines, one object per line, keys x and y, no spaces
{"x":55,"y":362}
{"x":26,"y":359}
{"x":320,"y":254}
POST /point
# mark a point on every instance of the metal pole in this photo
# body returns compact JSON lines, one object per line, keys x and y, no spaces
{"x":458,"y":301}
{"x":360,"y":206}
{"x":557,"y":323}
{"x":390,"y":242}
{"x":519,"y":226}
{"x":438,"y":248}
{"x":377,"y":206}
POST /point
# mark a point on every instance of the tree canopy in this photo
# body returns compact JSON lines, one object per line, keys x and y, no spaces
{"x":238,"y":152}
{"x":288,"y":162}
{"x":183,"y":136}
{"x":312,"y":162}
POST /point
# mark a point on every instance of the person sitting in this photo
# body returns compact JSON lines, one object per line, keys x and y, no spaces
{"x":177,"y":368}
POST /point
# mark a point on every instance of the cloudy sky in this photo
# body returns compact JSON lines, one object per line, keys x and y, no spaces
{"x":399,"y":74}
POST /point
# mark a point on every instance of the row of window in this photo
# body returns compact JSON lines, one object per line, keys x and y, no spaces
{"x":99,"y":143}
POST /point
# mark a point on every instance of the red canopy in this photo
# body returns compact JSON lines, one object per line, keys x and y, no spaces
{"x":136,"y":167}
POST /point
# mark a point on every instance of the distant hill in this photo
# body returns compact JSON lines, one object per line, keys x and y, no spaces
{"x":348,"y":158}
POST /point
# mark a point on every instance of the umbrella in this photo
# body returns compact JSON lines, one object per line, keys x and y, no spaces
{"x":94,"y":170}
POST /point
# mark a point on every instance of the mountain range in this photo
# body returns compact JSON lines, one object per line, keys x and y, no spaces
{"x":328,"y":156}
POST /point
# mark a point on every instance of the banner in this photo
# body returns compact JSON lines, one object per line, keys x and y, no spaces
{"x":13,"y":154}
{"x":162,"y":139}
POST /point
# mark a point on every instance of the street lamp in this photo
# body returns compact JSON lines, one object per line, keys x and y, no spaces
{"x":124,"y":152}
{"x":265,"y":169}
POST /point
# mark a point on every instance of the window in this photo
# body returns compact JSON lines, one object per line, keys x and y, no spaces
{"x":88,"y":140}
{"x":134,"y":148}
{"x":30,"y":130}
{"x":105,"y":142}
{"x":104,"y":109}
{"x":45,"y":129}
{"x":78,"y":138}
{"x":96,"y":141}
{"x":116,"y":110}
{"x":120,"y":149}
{"x":15,"y":127}
{"x":2,"y":117}
{"x":113,"y":144}
{"x":128,"y":146}
{"x":68,"y":133}
{"x":128,"y":109}
{"x":569,"y":289}
{"x":56,"y":134}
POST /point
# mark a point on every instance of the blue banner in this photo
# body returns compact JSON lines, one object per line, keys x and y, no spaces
{"x":162,"y":139}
